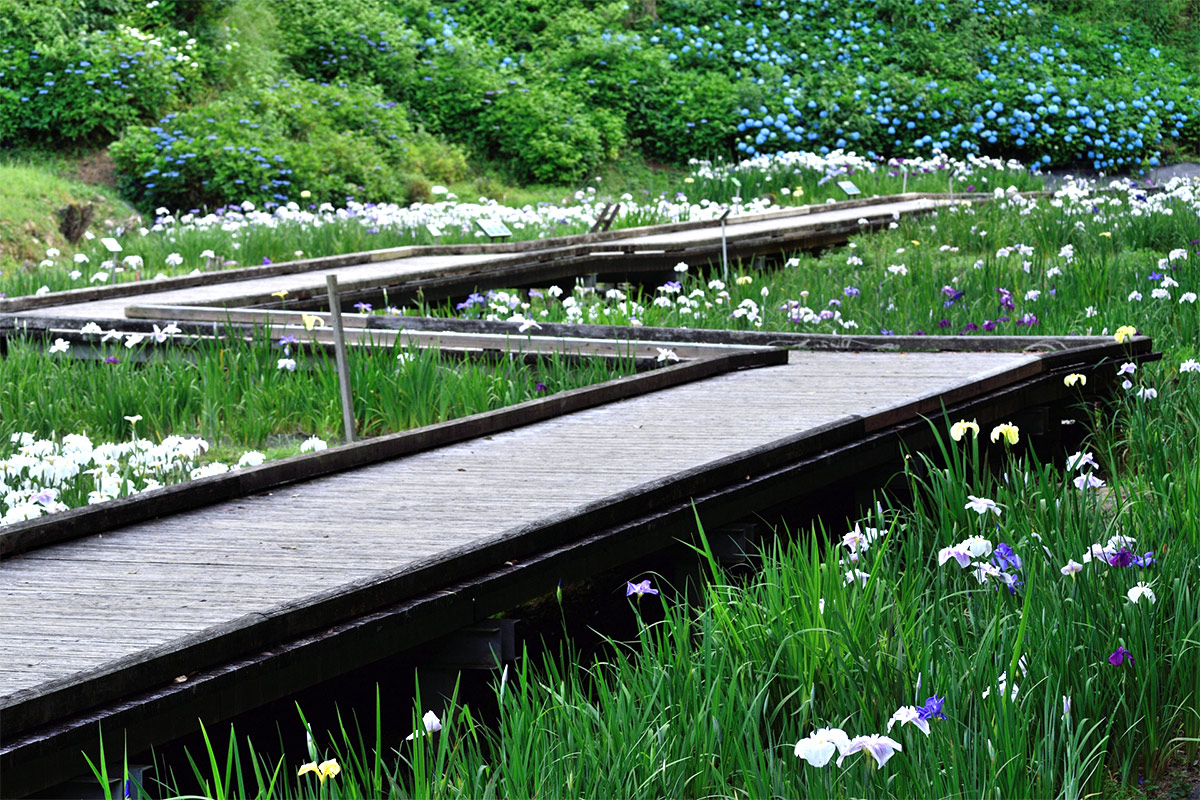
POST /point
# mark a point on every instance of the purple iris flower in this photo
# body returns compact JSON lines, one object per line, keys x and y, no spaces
{"x":1004,"y":557}
{"x":112,"y":360}
{"x":1146,"y":560}
{"x":951,"y":296}
{"x":945,"y":323}
{"x":473,"y":299}
{"x":1122,"y":558}
{"x":639,"y":588}
{"x":970,"y":327}
{"x":850,"y":291}
{"x":284,"y":341}
{"x":1120,"y":655}
{"x":932,"y":708}
{"x":267,"y":261}
{"x":1006,"y":299}
{"x":918,"y":332}
{"x":363,"y":308}
{"x":1154,"y":277}
{"x":540,"y":387}
{"x":988,"y":325}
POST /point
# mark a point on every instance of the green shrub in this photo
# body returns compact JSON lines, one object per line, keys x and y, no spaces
{"x":268,"y":146}
{"x":348,"y":40}
{"x":544,"y":136}
{"x":68,"y":89}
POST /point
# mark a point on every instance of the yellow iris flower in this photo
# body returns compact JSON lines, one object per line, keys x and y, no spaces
{"x":1124,"y":332}
{"x":312,"y":321}
{"x":1075,"y":378}
{"x":326,"y":769}
{"x":282,"y":293}
{"x":959,"y":429}
{"x":1010,"y":432}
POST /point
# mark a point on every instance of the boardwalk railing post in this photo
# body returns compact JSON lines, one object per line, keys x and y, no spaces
{"x":724,"y":250}
{"x":339,"y":347}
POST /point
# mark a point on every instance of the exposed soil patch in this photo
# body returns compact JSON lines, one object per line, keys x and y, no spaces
{"x":1179,"y":781}
{"x":97,"y":168}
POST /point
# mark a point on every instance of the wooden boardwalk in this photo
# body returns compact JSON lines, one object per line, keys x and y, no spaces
{"x":240,"y":586}
{"x":143,"y":586}
{"x":442,"y":270}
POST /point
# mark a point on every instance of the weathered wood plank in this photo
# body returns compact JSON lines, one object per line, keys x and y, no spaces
{"x":363,"y":638}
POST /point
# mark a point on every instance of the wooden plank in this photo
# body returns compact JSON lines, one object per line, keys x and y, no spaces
{"x":794,"y":376}
{"x":13,"y":304}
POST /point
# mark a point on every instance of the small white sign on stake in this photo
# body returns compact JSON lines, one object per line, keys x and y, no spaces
{"x":849,"y":188}
{"x":434,"y":230}
{"x":111,"y":245}
{"x":493,"y":228}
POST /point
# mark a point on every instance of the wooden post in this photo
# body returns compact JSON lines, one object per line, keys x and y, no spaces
{"x":724,"y":248}
{"x":339,"y":346}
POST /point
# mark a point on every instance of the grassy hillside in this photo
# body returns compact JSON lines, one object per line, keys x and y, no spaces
{"x":217,"y":101}
{"x":33,"y":191}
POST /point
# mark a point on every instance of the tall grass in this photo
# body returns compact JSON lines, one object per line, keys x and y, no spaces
{"x":234,"y":393}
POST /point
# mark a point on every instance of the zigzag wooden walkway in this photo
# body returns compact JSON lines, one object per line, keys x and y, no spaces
{"x":633,"y":254}
{"x":261,"y":582}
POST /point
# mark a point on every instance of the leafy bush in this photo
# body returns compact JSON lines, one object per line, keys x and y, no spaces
{"x":552,"y":90}
{"x":268,"y":146}
{"x":546,"y":136}
{"x":71,"y":88}
{"x":333,"y":40}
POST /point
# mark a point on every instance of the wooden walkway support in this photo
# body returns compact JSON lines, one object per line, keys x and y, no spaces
{"x":208,"y":599}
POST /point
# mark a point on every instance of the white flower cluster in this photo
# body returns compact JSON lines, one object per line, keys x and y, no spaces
{"x":840,"y":162}
{"x":450,"y":214}
{"x":180,"y":52}
{"x":42,"y":476}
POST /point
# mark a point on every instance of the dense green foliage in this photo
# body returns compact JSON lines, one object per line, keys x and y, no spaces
{"x":549,"y":91}
{"x":280,"y":141}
